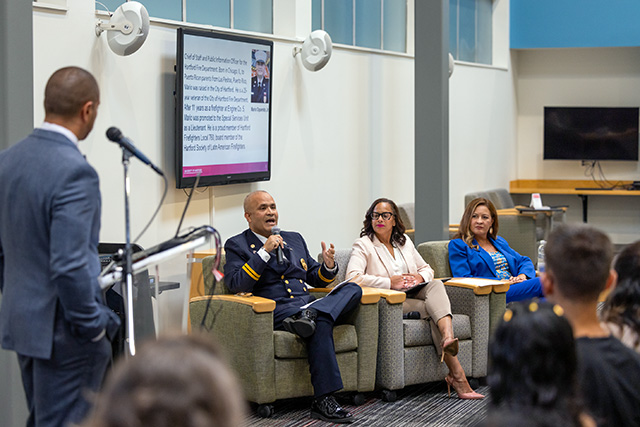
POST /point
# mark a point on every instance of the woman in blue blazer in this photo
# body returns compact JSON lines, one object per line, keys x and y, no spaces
{"x":478,"y":251}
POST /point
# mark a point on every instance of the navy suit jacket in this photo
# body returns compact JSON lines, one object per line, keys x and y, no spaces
{"x":49,"y":226}
{"x":246,"y":271}
{"x":468,"y":262}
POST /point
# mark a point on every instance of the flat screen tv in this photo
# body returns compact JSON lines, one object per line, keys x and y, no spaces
{"x":591,"y":133}
{"x":223,"y":108}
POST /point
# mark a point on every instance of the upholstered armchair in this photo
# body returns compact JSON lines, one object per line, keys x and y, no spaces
{"x":407,"y":212}
{"x":272,"y":365}
{"x":436,"y":254}
{"x":406,"y":352}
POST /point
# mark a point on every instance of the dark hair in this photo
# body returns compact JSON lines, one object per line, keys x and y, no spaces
{"x":527,"y":417}
{"x":174,"y":381}
{"x":533,"y":362}
{"x":464,"y":231}
{"x":622,"y":306}
{"x":397,"y":235}
{"x":578,"y":257}
{"x":68,"y":89}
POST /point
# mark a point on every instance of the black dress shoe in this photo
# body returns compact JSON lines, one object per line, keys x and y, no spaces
{"x":326,"y":408}
{"x":411,"y":315}
{"x":302,"y":324}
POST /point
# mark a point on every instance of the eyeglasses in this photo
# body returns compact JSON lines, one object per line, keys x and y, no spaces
{"x":385,"y":215}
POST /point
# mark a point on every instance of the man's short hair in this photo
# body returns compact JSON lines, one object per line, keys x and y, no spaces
{"x":248,"y":198}
{"x":579,"y":259}
{"x":68,"y":89}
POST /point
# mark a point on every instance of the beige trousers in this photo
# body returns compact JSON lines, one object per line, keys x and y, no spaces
{"x":433,"y":304}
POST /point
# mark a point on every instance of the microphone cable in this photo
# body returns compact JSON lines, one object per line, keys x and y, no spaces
{"x":164,"y":194}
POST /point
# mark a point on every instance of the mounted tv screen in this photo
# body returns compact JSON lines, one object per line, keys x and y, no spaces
{"x":591,"y":133}
{"x":223,"y":108}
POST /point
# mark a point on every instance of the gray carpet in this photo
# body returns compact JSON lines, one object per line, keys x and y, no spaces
{"x":422,"y":405}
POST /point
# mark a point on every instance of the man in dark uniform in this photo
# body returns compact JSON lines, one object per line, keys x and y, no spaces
{"x":260,"y":83}
{"x":252,"y":266}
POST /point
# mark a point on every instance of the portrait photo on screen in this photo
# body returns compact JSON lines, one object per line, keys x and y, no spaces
{"x":260,"y":76}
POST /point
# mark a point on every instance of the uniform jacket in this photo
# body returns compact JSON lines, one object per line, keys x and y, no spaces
{"x":246,"y":271}
{"x":49,"y":225}
{"x":369,"y":259}
{"x":260,"y":94}
{"x":469,"y":262}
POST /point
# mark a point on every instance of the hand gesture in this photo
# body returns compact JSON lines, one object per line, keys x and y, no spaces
{"x":398,"y":283}
{"x":273,"y":242}
{"x":517,"y":279}
{"x":328,"y":255}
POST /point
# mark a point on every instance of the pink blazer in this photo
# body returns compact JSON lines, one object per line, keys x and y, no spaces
{"x":368,"y":258}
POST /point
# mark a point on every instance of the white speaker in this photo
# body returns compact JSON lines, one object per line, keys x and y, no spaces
{"x":127,"y":29}
{"x":316,"y":50}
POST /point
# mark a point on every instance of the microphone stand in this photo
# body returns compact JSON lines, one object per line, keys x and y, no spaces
{"x":127,"y":283}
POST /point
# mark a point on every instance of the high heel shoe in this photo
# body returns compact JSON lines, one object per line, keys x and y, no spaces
{"x":449,"y":346}
{"x":468,"y":395}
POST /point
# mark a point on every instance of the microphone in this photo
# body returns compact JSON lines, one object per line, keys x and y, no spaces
{"x":279,"y":254}
{"x":114,"y":134}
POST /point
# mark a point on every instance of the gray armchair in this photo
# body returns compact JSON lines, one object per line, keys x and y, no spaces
{"x":436,"y":254}
{"x":407,"y":213}
{"x":406,"y":352}
{"x":272,"y":365}
{"x":544,"y":222}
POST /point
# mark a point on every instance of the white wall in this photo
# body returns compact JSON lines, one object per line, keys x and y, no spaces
{"x":578,"y":77}
{"x":482,"y":118}
{"x":340,"y":137}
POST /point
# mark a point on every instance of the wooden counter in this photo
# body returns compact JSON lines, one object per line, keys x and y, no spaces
{"x":580,"y":188}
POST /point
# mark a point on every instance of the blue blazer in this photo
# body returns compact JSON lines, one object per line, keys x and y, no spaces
{"x":468,"y":262}
{"x":49,"y":229}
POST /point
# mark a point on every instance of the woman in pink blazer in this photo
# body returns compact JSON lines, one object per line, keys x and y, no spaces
{"x":384,"y":257}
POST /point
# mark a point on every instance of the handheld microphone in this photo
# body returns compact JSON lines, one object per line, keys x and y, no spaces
{"x":279,"y":254}
{"x":114,"y":134}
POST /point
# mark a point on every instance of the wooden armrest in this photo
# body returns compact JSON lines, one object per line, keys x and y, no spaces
{"x":479,"y":286}
{"x":392,"y":297}
{"x":258,"y":304}
{"x":369,"y":295}
{"x":509,"y":211}
{"x":502,"y":288}
{"x":410,"y":230}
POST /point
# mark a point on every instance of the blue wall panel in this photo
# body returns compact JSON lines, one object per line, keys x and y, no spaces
{"x":574,"y":23}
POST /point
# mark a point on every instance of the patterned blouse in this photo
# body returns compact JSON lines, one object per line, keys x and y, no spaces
{"x":502,"y":266}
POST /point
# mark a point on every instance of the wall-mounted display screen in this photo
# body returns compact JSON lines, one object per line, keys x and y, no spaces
{"x":223,"y":108}
{"x":591,"y":133}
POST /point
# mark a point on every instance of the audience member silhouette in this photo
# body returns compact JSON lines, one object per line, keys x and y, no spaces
{"x":174,"y":381}
{"x":532,"y":370}
{"x":621,"y":311}
{"x":578,"y":269}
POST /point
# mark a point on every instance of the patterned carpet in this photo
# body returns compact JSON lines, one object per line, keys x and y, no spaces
{"x":421,"y":405}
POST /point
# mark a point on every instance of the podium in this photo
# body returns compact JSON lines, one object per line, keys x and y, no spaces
{"x":158,"y":299}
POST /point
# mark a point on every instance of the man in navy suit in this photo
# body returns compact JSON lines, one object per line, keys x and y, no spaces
{"x":253,"y":265}
{"x":53,"y":314}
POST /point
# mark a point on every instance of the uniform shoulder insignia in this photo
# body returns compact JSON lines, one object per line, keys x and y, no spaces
{"x":304,"y":264}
